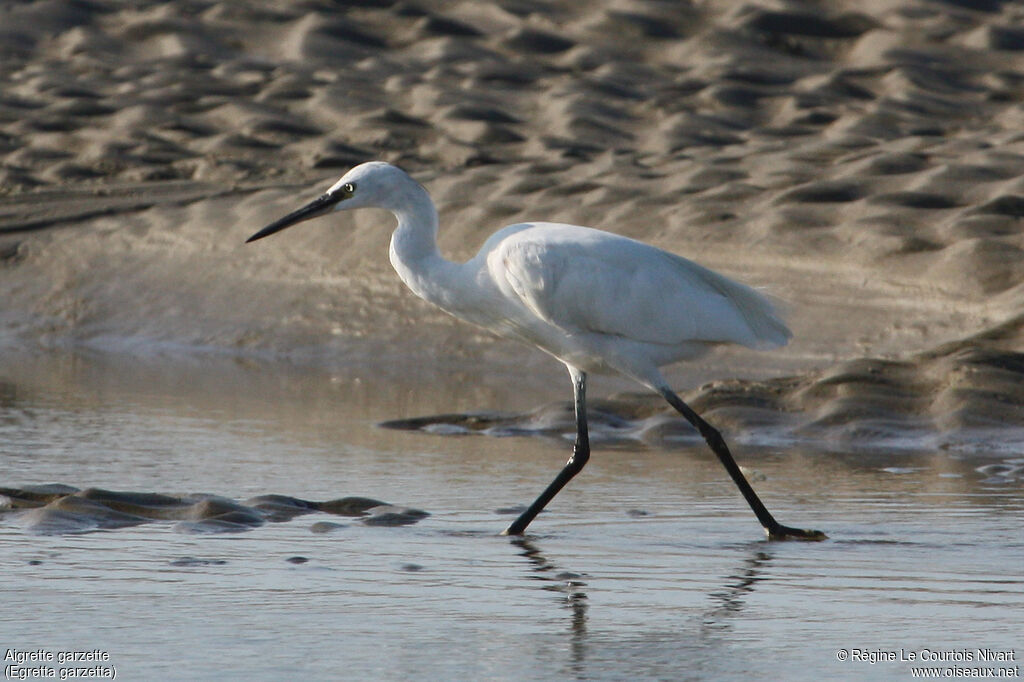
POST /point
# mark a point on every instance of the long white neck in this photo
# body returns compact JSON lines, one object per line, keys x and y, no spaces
{"x":414,"y":253}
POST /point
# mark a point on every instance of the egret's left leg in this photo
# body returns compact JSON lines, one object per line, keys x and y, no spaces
{"x":774,"y":529}
{"x":580,"y":455}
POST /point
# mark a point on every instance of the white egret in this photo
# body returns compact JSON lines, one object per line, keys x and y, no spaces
{"x":594,"y":300}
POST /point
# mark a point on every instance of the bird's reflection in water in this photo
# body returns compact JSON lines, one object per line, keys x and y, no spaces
{"x":728,"y":602}
{"x":567,"y":583}
{"x":731,"y":599}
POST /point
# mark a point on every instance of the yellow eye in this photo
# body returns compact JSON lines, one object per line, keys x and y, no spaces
{"x":349,"y":188}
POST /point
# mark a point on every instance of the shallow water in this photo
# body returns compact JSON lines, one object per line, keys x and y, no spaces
{"x":648,"y":566}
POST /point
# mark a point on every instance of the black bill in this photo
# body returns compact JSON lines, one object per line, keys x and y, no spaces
{"x":318,"y":207}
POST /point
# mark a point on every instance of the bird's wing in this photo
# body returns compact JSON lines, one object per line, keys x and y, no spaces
{"x":584,"y":280}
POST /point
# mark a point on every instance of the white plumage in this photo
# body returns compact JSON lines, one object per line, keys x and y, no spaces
{"x":595,"y":300}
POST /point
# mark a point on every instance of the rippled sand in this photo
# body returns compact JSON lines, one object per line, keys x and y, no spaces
{"x":962,"y":396}
{"x":59,"y":509}
{"x":863,"y":163}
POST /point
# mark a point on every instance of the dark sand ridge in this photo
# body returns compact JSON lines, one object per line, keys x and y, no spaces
{"x":864,"y":163}
{"x":61,"y":509}
{"x":960,"y":396}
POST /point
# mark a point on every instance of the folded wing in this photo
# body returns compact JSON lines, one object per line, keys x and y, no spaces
{"x":589,"y":281}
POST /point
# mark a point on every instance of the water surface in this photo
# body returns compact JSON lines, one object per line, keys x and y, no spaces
{"x":648,"y":566}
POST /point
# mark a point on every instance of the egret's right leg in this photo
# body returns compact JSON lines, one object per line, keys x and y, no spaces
{"x":580,"y":455}
{"x":774,"y":529}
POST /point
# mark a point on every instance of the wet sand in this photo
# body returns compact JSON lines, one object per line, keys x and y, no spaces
{"x":61,"y":509}
{"x":862,"y":162}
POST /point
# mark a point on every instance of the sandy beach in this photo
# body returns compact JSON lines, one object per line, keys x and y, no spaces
{"x":864,"y":165}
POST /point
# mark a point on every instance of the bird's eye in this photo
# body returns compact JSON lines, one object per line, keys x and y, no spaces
{"x":349,"y":188}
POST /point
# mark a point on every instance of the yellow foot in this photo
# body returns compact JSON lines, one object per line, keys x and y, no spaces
{"x":787,"y":533}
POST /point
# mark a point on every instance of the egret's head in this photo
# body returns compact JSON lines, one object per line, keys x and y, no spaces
{"x":375,"y":184}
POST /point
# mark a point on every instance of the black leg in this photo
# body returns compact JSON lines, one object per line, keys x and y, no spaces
{"x":774,"y":529}
{"x":580,"y":455}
